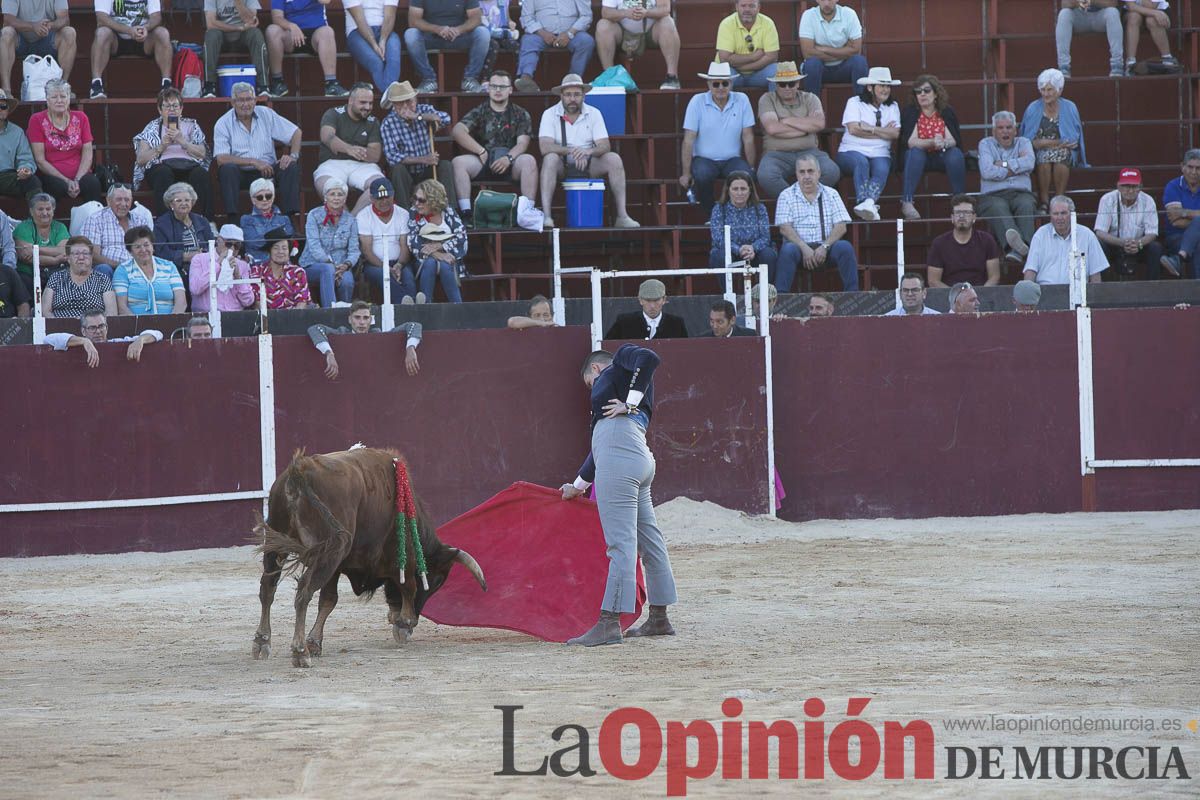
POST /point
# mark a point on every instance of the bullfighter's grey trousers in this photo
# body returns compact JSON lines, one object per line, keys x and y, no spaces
{"x":624,"y":472}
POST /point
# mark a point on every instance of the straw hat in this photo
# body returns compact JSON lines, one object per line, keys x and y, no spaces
{"x":786,"y":72}
{"x":397,"y":92}
{"x":435,"y":233}
{"x":878,"y":76}
{"x":9,"y":100}
{"x":572,"y":80}
{"x":717,"y":71}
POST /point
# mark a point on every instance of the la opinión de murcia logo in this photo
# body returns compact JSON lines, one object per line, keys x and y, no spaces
{"x":853,"y":750}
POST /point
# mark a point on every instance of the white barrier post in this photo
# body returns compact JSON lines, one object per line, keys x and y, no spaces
{"x":266,"y":411}
{"x":262,"y":307}
{"x":388,"y":311}
{"x":748,"y":285}
{"x":558,"y":304}
{"x":214,"y":316}
{"x":730,"y":292}
{"x":899,"y":258}
{"x":597,"y":320}
{"x":1078,"y":268}
{"x":39,"y":320}
{"x":764,"y":297}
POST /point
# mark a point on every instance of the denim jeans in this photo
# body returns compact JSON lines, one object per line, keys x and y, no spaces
{"x":418,"y":44}
{"x":429,"y":271}
{"x":705,"y":172}
{"x":756,"y":80}
{"x":870,"y":174}
{"x":841,"y":254}
{"x":581,"y":46}
{"x":383,"y":70}
{"x":322,"y":276}
{"x":917,"y":161}
{"x":777,"y":170}
{"x":374,"y":276}
{"x":1176,"y":240}
{"x":817,"y":72}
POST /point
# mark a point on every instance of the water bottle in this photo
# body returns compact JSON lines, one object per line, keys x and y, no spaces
{"x":691,"y":196}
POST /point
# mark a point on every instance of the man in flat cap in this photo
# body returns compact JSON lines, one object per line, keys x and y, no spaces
{"x":651,"y":322}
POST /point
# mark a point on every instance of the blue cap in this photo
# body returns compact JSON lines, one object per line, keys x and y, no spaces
{"x":381,"y":187}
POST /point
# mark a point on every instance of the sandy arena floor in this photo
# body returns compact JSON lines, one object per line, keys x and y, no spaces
{"x":131,"y":676}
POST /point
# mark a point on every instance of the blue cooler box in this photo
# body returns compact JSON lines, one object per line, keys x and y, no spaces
{"x":228,"y":76}
{"x":610,"y":102}
{"x":585,"y":203}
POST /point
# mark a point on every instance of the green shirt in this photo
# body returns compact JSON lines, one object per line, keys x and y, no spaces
{"x":27,"y":232}
{"x":359,"y":133}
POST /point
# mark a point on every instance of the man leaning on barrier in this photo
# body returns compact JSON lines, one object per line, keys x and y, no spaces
{"x":94,"y":328}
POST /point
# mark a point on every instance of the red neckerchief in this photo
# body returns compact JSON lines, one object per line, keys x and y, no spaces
{"x":392,"y":211}
{"x":330,"y":217}
{"x":269,"y":214}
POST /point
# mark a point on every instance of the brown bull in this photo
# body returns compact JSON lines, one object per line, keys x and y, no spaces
{"x":335,"y":514}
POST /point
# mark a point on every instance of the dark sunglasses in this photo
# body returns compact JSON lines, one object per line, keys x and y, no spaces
{"x":264,"y":197}
{"x":749,"y":40}
{"x":719,"y":84}
{"x":788,"y":85}
{"x":923,"y":90}
{"x":420,"y":200}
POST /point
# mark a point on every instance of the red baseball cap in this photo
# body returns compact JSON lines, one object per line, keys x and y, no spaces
{"x":1129,"y":175}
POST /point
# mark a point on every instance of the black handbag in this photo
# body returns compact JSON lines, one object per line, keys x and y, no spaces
{"x":108,"y":174}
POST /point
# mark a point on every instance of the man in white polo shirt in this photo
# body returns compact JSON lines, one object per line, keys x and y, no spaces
{"x":574,"y":143}
{"x":1049,"y":259}
{"x":831,"y":42}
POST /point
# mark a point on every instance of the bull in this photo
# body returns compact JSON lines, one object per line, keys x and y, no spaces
{"x":335,"y":514}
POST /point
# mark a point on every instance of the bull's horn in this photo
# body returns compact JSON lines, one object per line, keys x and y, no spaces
{"x":464,"y":558}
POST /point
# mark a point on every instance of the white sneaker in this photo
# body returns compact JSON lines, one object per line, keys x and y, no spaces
{"x":909,"y":211}
{"x":421,"y":299}
{"x":406,"y":300}
{"x":626,"y":222}
{"x":867,"y":210}
{"x":1016,"y":242}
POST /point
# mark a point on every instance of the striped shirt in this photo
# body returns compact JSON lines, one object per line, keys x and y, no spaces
{"x":231,"y":138}
{"x":153,"y":295}
{"x":794,"y":209}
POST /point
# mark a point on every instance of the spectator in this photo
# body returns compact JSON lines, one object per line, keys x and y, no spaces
{"x":301,"y":26}
{"x":1089,"y":16}
{"x":61,"y":142}
{"x":360,"y":322}
{"x":722,"y":322}
{"x":1049,"y":259}
{"x":791,"y":118}
{"x":963,"y":299}
{"x":408,"y":141}
{"x":437,"y":240}
{"x":198,"y":328}
{"x":574,"y":142}
{"x":14,"y":299}
{"x":8,"y":250}
{"x":812,"y":219}
{"x":446,"y":25}
{"x":383,"y":236}
{"x":285,"y":284}
{"x":929,"y":139}
{"x":1127,"y":226}
{"x":963,"y":253}
{"x":1026,"y":296}
{"x":912,"y":297}
{"x":651,"y":322}
{"x":749,"y":226}
{"x":233,"y":25}
{"x":351,"y":144}
{"x":727,"y":121}
{"x":372,"y":39}
{"x":16,"y":158}
{"x":331,"y":246}
{"x":264,"y":216}
{"x":129,"y":29}
{"x":500,"y":25}
{"x":145,"y":283}
{"x":180,"y":234}
{"x":1005,"y":200}
{"x":1052,"y":125}
{"x":496,"y":136}
{"x":106,"y":228}
{"x":821,"y":305}
{"x":540,"y":315}
{"x":79,"y":289}
{"x":749,"y":42}
{"x":42,"y":230}
{"x":244,"y":140}
{"x":229,"y":266}
{"x":37,"y":28}
{"x":1181,"y":201}
{"x":872,"y":121}
{"x":1153,"y":15}
{"x":172,"y":148}
{"x":94,"y":327}
{"x":831,"y":43}
{"x":554,"y":23}
{"x":633,"y":25}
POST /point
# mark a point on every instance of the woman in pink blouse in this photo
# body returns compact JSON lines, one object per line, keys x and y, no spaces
{"x":285,"y":283}
{"x":61,"y":140}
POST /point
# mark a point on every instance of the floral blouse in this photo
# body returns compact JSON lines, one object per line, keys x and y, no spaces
{"x":288,"y":291}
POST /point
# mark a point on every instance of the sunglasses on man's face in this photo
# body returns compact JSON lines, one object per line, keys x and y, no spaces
{"x":788,"y":85}
{"x":719,"y":84}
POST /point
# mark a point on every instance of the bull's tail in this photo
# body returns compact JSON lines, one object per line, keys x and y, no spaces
{"x":293,"y":552}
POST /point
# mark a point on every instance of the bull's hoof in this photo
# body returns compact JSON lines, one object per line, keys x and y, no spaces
{"x":314,"y":647}
{"x":300,"y":659}
{"x":401,"y":633}
{"x":262,"y":648}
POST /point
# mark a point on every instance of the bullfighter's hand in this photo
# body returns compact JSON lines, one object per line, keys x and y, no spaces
{"x":615,"y":408}
{"x":134,"y":353}
{"x":93,"y":358}
{"x":570,"y":491}
{"x":410,"y":361}
{"x":331,"y":367}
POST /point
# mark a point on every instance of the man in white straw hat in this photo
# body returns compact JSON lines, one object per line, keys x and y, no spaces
{"x":718,"y":128}
{"x":791,"y":118}
{"x":831,"y":41}
{"x":749,"y":42}
{"x":408,"y":141}
{"x":574,"y":142}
